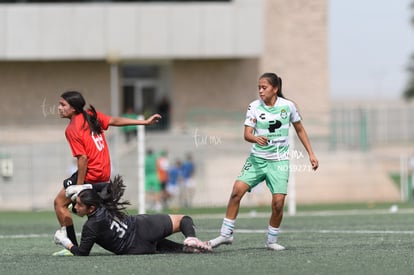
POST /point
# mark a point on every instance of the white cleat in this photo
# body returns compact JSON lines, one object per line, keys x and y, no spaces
{"x":194,"y":245}
{"x":220,"y":240}
{"x":275,"y":246}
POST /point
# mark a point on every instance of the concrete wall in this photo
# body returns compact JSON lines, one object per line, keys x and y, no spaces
{"x":221,"y":87}
{"x":30,"y":91}
{"x":296,"y":48}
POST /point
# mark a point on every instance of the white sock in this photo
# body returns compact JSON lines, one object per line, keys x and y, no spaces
{"x":227,"y":227}
{"x":272,"y":234}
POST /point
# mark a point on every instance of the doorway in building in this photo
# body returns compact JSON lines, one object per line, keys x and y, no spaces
{"x":144,"y":92}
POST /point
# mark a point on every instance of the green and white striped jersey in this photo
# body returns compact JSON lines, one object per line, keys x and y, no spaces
{"x":273,"y":123}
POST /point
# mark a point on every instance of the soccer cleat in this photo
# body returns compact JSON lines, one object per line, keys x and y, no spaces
{"x":63,"y":253}
{"x":194,"y":245}
{"x":275,"y":246}
{"x":220,"y":240}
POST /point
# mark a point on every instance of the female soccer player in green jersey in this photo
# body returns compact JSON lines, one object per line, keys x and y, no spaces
{"x":266,"y":126}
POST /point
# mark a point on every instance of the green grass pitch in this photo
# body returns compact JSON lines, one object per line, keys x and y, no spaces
{"x":358,"y":240}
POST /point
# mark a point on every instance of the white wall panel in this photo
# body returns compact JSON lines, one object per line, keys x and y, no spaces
{"x":55,"y":37}
{"x":90,"y":26}
{"x":218,"y":33}
{"x":186,"y":30}
{"x":23,"y":33}
{"x":154,"y":23}
{"x":131,"y":30}
{"x":3,"y":33}
{"x":122,"y":30}
{"x":249,"y":29}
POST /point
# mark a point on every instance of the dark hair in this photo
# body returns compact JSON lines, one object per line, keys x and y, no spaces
{"x":76,"y":100}
{"x":110,"y":198}
{"x":275,"y":81}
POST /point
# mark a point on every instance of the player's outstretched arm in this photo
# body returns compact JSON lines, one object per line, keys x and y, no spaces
{"x":124,"y":121}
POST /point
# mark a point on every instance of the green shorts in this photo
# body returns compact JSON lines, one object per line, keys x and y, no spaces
{"x":152,"y":184}
{"x":275,"y":173}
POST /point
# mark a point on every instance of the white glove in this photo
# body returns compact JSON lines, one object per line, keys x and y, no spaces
{"x":62,"y":238}
{"x":72,"y":191}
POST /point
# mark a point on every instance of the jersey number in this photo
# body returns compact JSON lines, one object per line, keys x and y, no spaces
{"x":119,"y":228}
{"x":98,"y":139}
{"x":247,"y":166}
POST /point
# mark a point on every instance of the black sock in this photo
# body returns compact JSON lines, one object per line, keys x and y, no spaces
{"x":70,"y":230}
{"x":187,"y":227}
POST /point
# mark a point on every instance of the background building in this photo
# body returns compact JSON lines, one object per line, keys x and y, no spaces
{"x":201,"y":59}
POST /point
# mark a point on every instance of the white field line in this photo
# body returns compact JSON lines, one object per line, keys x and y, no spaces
{"x":261,"y":215}
{"x":327,"y":231}
{"x":26,"y":236}
{"x":249,"y":231}
{"x":356,"y":212}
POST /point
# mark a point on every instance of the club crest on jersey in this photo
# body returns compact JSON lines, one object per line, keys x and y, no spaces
{"x":283,"y":114}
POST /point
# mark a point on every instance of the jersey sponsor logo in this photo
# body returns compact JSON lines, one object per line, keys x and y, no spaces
{"x":273,"y":125}
{"x":99,"y":141}
{"x":276,"y":142}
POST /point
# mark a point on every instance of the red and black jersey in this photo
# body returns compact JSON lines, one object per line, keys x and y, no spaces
{"x":94,"y":146}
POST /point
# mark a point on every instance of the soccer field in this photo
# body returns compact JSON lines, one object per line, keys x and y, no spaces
{"x":358,"y":241}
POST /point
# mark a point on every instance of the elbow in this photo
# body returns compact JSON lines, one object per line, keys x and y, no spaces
{"x":248,"y":138}
{"x":83,"y":158}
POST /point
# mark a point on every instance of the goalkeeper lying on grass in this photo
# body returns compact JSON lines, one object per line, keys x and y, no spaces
{"x":111,"y":228}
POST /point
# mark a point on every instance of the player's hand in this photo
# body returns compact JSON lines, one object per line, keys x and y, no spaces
{"x":153,"y":119}
{"x":73,"y":190}
{"x":314,"y":162}
{"x":261,"y":140}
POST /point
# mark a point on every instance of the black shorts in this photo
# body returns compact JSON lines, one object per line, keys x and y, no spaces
{"x":150,"y":229}
{"x":72,"y":180}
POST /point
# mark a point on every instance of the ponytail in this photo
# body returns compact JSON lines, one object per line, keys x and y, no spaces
{"x":112,"y":198}
{"x":91,"y":116}
{"x":109,"y":197}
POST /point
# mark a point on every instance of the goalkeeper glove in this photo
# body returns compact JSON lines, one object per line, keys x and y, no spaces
{"x":73,"y":190}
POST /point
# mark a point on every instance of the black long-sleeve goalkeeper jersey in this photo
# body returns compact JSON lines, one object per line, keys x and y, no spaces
{"x":108,"y":232}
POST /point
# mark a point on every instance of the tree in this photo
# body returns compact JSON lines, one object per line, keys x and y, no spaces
{"x":409,"y":91}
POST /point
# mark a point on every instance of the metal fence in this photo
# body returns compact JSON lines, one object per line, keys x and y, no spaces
{"x":364,"y":127}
